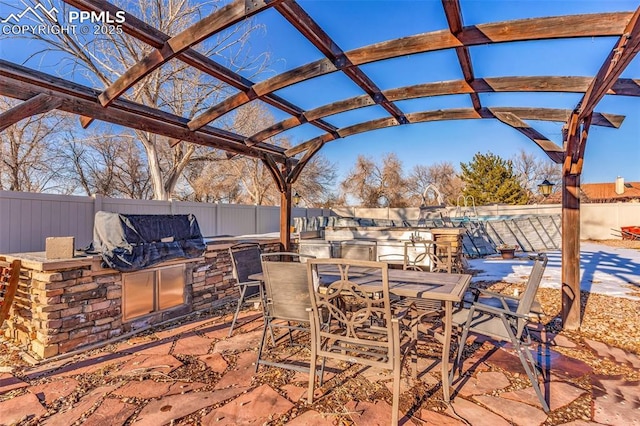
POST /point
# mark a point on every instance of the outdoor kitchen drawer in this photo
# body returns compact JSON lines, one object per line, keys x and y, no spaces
{"x":152,"y":290}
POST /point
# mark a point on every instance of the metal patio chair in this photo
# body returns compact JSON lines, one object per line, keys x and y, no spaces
{"x":363,"y":327}
{"x":505,"y":323}
{"x":286,"y":303}
{"x":245,"y":261}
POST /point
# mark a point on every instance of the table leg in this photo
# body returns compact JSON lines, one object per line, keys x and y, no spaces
{"x":446,"y":346}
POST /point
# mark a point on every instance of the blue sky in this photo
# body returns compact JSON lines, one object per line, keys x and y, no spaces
{"x":352,"y":24}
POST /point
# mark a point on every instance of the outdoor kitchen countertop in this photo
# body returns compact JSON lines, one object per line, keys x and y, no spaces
{"x":38,"y":261}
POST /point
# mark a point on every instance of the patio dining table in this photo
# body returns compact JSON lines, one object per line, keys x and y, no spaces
{"x":443,"y":287}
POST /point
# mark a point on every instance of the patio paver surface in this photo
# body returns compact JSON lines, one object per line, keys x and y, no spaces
{"x":201,"y":376}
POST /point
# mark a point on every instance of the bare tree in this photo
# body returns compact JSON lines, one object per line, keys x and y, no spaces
{"x":28,"y":154}
{"x":441,"y":175}
{"x":316,"y":179}
{"x":109,"y":165}
{"x":211,"y":182}
{"x":247,"y":180}
{"x":531,"y":171}
{"x":174,"y":87}
{"x":376,"y":185}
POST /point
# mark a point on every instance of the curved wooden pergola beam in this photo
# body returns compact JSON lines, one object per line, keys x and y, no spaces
{"x":219,"y":20}
{"x":36,"y":105}
{"x":42,"y":91}
{"x":573,"y":26}
{"x":507,"y":115}
{"x":622,"y":87}
{"x":454,"y":19}
{"x":156,"y":38}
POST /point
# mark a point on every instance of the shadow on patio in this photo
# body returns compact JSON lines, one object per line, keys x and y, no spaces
{"x":192,"y":373}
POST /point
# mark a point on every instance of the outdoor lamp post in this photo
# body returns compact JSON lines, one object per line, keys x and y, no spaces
{"x":546,"y":187}
{"x":296,"y":199}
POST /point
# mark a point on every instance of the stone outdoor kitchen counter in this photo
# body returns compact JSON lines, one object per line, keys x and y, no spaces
{"x":63,"y":305}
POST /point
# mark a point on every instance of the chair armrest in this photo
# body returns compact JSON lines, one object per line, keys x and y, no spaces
{"x":497,"y":311}
{"x":494,"y":294}
{"x":248,"y":283}
{"x":501,"y":298}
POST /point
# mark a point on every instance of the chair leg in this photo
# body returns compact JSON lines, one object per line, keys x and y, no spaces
{"x":312,"y":376}
{"x":458,"y":365}
{"x":396,"y":386}
{"x":263,"y":306}
{"x":290,"y":333}
{"x":529,"y":365}
{"x":235,"y":316}
{"x":266,"y":325}
{"x":396,"y":401}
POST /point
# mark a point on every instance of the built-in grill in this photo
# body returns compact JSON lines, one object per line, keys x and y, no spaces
{"x":129,"y":242}
{"x":133,"y":244}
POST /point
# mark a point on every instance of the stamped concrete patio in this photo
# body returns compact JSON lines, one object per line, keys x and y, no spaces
{"x":192,"y":373}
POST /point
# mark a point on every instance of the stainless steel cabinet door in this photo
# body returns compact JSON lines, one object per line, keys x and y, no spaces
{"x":138,"y":295}
{"x":171,"y":282}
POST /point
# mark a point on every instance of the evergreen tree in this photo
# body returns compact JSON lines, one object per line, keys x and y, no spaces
{"x":490,"y":179}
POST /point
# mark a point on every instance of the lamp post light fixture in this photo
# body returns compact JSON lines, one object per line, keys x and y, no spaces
{"x":296,"y":199}
{"x":546,"y":187}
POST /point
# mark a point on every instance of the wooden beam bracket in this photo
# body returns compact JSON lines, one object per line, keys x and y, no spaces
{"x":251,"y":5}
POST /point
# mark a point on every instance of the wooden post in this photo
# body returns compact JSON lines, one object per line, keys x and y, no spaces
{"x":571,"y":170}
{"x":571,"y":308}
{"x":285,"y":218}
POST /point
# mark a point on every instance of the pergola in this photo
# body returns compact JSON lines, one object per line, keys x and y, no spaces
{"x":43,"y":92}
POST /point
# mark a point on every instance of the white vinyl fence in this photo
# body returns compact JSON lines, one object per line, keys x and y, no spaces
{"x":27,"y":219}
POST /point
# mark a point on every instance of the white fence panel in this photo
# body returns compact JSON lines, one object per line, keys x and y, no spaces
{"x":237,"y":219}
{"x":602,"y":221}
{"x":136,"y":206}
{"x":268,"y":219}
{"x":28,"y":219}
{"x":206,"y":214}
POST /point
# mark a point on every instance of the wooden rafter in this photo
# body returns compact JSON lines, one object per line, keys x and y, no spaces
{"x":156,"y":38}
{"x":570,"y":26}
{"x":542,"y":114}
{"x":32,"y":106}
{"x":22,"y":83}
{"x":454,"y":19}
{"x":223,"y":18}
{"x":297,"y":17}
{"x":593,"y":25}
{"x":622,"y":54}
{"x":624,"y":86}
{"x":555,"y":152}
{"x":295,"y":150}
{"x":261,"y":89}
{"x":274,"y":129}
{"x":340,"y":106}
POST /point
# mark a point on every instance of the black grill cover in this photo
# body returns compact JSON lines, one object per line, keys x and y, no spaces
{"x":130,"y":242}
